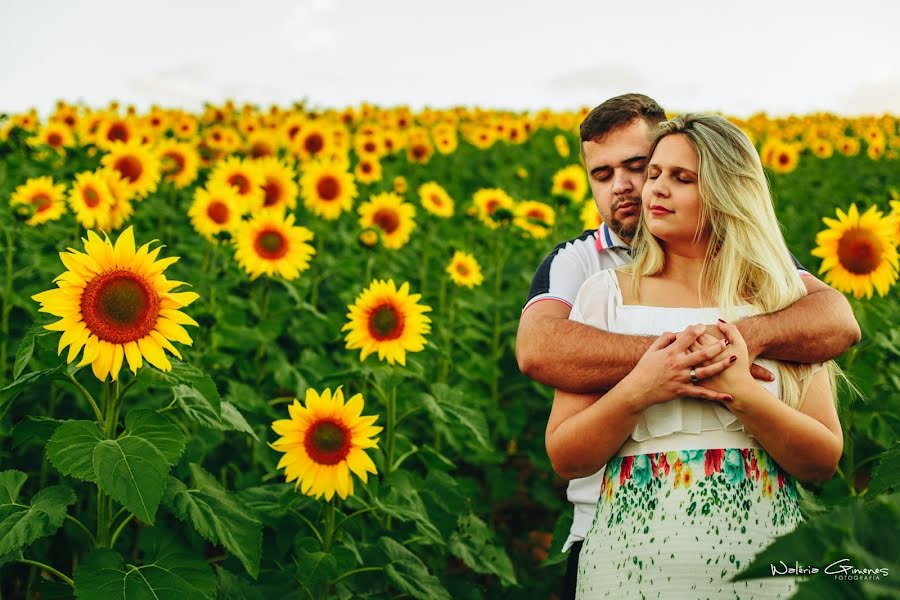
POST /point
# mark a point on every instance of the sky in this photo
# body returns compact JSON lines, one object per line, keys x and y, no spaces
{"x":738,"y":57}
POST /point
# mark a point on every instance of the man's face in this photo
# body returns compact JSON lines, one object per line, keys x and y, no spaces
{"x":615,"y":164}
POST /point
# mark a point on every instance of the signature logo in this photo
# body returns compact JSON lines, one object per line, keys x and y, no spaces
{"x":840,"y":569}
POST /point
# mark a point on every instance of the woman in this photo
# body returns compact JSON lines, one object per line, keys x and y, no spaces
{"x":693,"y":490}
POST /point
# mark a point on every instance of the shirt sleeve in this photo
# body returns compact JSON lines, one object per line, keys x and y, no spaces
{"x":558,"y":278}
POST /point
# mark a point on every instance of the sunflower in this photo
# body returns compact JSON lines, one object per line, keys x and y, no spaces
{"x":137,"y":165}
{"x":369,"y":146}
{"x":327,"y":189}
{"x":536,"y":218}
{"x":848,"y":146}
{"x":184,"y":125}
{"x":54,"y":134}
{"x":121,"y":194}
{"x":262,"y":144}
{"x":859,"y":252}
{"x":179,"y":162}
{"x":570,"y":182}
{"x":117,"y":305}
{"x":435,"y":199}
{"x":590,"y":216}
{"x":821,"y":147}
{"x":487,"y":201}
{"x":562,"y":146}
{"x":244,"y":176}
{"x":42,"y":196}
{"x":389,"y":213}
{"x":419,"y":150}
{"x":114,"y":130}
{"x":216,"y":208}
{"x":368,"y":170}
{"x":270,"y":244}
{"x":314,"y":140}
{"x":464,"y":270}
{"x":324,"y":441}
{"x":387,"y":321}
{"x":785,"y":158}
{"x":91,"y":200}
{"x":278,"y":183}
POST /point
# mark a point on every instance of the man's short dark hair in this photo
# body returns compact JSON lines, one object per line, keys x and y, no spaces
{"x":618,"y":112}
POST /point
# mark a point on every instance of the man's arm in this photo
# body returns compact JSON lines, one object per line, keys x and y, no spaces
{"x":572,"y":356}
{"x":816,"y":328}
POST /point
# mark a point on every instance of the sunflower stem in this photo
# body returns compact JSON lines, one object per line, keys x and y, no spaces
{"x":120,"y":529}
{"x":82,"y":527}
{"x":355,"y":571}
{"x":99,"y":415}
{"x":62,"y":577}
{"x":309,"y":523}
{"x":390,"y":433}
{"x":329,"y":526}
{"x":496,"y":352}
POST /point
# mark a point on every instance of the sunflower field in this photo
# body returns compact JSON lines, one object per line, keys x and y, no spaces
{"x":269,"y":353}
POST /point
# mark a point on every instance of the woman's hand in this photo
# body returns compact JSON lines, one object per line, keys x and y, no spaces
{"x":735,"y":351}
{"x":664,"y":371}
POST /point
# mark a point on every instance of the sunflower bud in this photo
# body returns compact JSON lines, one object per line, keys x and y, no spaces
{"x":368,"y":238}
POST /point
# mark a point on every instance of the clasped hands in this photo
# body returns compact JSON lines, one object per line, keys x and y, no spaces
{"x":704,"y":361}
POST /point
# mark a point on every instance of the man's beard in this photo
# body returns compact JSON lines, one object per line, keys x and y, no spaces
{"x":626,"y":232}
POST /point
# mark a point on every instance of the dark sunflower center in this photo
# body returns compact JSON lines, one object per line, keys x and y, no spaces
{"x":130,"y":168}
{"x":271,"y":245}
{"x":369,"y":147}
{"x":218,"y":212}
{"x":437,"y":200}
{"x":259,"y":150}
{"x":784,"y":159}
{"x":859,"y":251}
{"x":239,"y":181}
{"x":462,"y":269}
{"x":293,"y":131}
{"x":314,"y":143}
{"x":41,"y":202}
{"x":491,"y":206}
{"x":568,"y":184}
{"x":54,"y":139}
{"x":328,"y":188}
{"x":117,"y":133}
{"x":273,"y":192}
{"x":119,"y":307}
{"x":172,"y":164}
{"x":419,"y":152}
{"x":366,"y":167}
{"x":387,"y":220}
{"x":327,"y":442}
{"x":91,"y":197}
{"x":386,"y":323}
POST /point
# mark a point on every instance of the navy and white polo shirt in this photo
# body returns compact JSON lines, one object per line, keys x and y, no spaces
{"x":570,"y":264}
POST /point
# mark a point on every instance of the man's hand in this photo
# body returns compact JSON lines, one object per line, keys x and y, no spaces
{"x":713,"y":334}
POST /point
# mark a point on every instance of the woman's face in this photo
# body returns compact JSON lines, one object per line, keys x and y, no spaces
{"x":671,"y":195}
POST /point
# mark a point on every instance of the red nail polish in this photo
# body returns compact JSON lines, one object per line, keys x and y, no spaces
{"x":733,"y":358}
{"x":729,"y":398}
{"x":721,"y":321}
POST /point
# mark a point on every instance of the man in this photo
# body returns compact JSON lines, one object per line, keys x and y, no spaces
{"x":615,"y":141}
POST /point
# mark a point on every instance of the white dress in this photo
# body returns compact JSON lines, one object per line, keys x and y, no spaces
{"x":690,"y":498}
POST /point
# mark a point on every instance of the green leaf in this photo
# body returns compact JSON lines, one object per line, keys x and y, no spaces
{"x":198,"y":407}
{"x":404,"y":503}
{"x":34,"y":430}
{"x":886,"y":476}
{"x":560,"y":535}
{"x":158,"y":430}
{"x":232,"y":587}
{"x":133,"y":472}
{"x":11,"y":483}
{"x":235,"y":420}
{"x":170,"y":574}
{"x":9,"y":393}
{"x":71,"y":449}
{"x":477,"y":546}
{"x":21,"y":525}
{"x":315,"y":568}
{"x":23,"y":354}
{"x":217,"y":516}
{"x":406,"y":571}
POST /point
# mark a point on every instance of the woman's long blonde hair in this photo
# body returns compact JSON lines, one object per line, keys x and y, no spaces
{"x":747,"y":260}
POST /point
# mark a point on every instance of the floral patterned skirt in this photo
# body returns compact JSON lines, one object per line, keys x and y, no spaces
{"x":681,"y":524}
